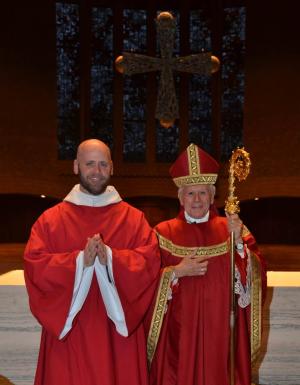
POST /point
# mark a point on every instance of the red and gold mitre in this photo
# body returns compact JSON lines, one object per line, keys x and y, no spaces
{"x":194,"y":166}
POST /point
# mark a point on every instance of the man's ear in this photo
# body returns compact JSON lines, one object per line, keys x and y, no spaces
{"x":75,"y":167}
{"x":180,"y":195}
{"x":213,"y":193}
{"x":112,"y":169}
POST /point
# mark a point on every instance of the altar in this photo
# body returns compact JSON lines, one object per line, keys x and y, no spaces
{"x":279,"y":363}
{"x":19,"y":331}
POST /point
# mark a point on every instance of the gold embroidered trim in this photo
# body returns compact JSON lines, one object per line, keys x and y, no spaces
{"x":245,"y":231}
{"x":182,"y":251}
{"x":193,"y":160}
{"x":159,"y":312}
{"x":256,"y":304}
{"x":200,"y":179}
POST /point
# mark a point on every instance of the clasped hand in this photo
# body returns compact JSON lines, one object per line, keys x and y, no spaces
{"x":95,"y":248}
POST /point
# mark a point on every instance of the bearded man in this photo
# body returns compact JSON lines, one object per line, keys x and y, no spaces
{"x":91,"y":267}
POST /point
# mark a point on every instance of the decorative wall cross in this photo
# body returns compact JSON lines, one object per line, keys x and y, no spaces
{"x":133,"y":63}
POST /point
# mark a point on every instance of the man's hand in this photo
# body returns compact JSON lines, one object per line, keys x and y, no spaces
{"x":235,"y":225}
{"x":191,"y":266}
{"x":90,"y":251}
{"x":102,"y":256}
{"x":94,"y":247}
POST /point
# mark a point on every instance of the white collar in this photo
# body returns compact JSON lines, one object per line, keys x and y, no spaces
{"x":190,"y":219}
{"x":76,"y":196}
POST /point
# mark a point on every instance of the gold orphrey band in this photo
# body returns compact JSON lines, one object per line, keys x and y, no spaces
{"x":193,"y":160}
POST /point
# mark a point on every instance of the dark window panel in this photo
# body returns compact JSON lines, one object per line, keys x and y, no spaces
{"x":134,"y":98}
{"x":135,"y":30}
{"x":68,"y":87}
{"x":233,"y":55}
{"x":167,"y":143}
{"x":68,"y":137}
{"x":102,"y":62}
{"x":200,"y":96}
{"x":135,"y":140}
{"x":200,"y":34}
{"x":134,"y":91}
{"x":134,"y":105}
{"x":201,"y":134}
{"x":102,"y":28}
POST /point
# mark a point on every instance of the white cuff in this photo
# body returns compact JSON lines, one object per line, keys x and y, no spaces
{"x":82,"y":284}
{"x":110,"y":295}
{"x":109,"y":268}
{"x":244,"y":292}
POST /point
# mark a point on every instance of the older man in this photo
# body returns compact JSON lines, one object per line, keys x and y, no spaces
{"x":91,"y":266}
{"x":188,"y":342}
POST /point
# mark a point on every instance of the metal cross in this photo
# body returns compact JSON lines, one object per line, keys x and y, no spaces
{"x":132,"y":63}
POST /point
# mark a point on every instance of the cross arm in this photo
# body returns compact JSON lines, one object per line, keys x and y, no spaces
{"x":133,"y":63}
{"x":202,"y":63}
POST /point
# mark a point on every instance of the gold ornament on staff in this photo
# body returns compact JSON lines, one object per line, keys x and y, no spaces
{"x":239,"y":167}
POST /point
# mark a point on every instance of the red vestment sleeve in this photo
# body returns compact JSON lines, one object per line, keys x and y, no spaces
{"x":136,"y":271}
{"x":253,"y":247}
{"x":49,"y":279}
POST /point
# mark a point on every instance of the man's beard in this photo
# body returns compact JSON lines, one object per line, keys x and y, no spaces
{"x":94,"y":189}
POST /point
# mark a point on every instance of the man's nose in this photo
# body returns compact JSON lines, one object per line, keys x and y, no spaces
{"x":99,"y":169}
{"x":197,"y":197}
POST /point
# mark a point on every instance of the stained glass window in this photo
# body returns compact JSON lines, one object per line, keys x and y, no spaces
{"x":200,"y":128}
{"x":134,"y":99}
{"x":233,"y":79}
{"x":95,"y":117}
{"x":68,"y":81}
{"x":167,"y":143}
{"x":101,"y":84}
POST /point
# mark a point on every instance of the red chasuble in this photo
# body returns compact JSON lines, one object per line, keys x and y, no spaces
{"x":194,"y":343}
{"x":92,"y":353}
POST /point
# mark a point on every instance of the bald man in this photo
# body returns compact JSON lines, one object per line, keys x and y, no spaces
{"x":91,"y":266}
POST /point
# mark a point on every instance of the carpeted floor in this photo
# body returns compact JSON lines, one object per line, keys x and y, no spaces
{"x":279,"y":258}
